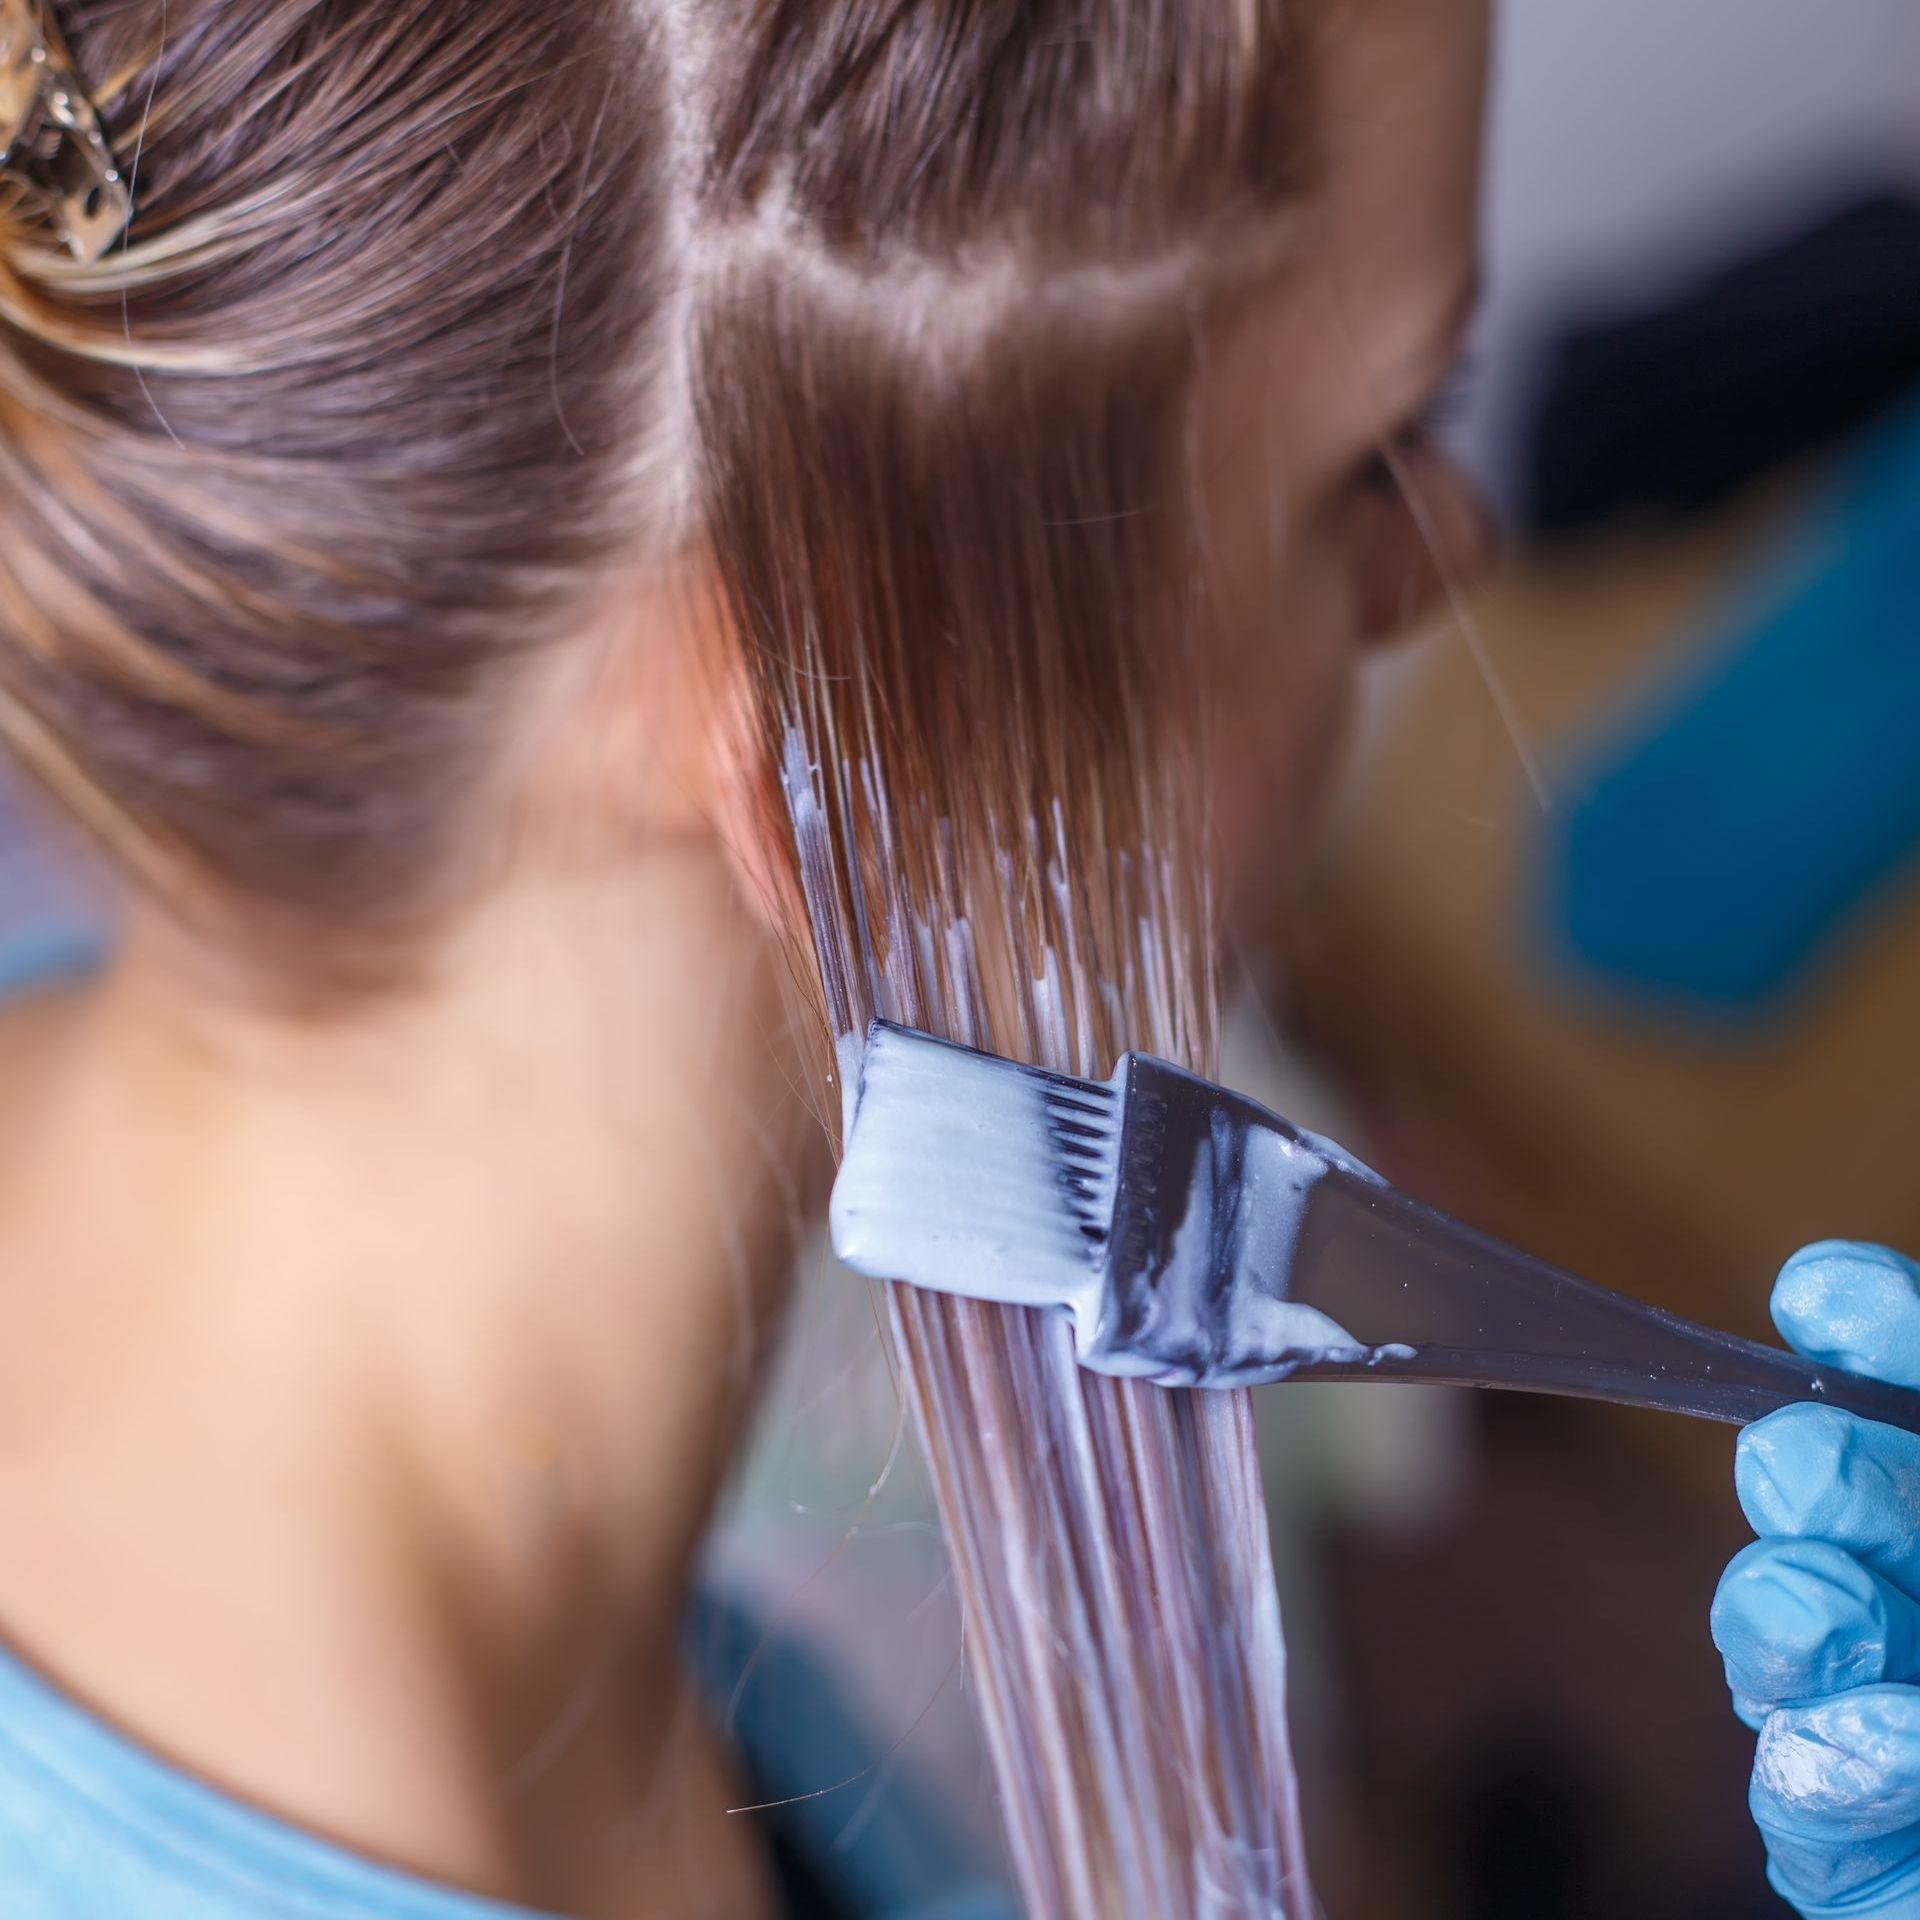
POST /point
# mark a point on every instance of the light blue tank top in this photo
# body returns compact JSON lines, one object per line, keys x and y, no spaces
{"x":94,"y":1827}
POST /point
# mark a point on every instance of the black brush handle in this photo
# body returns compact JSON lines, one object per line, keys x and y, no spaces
{"x":1228,"y":1219}
{"x":1477,"y":1313}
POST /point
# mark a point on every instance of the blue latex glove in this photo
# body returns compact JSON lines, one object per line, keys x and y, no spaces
{"x":1819,"y":1620}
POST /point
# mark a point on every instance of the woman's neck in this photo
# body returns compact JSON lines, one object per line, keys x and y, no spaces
{"x":396,"y":1361}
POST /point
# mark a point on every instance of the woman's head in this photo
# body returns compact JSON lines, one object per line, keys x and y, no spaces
{"x":1002,"y":379}
{"x":385,"y":399}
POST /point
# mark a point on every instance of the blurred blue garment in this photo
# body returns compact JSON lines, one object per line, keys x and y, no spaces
{"x":1819,"y":1620}
{"x":47,"y":947}
{"x":93,"y":1828}
{"x":53,"y":918}
{"x":1757,"y":809}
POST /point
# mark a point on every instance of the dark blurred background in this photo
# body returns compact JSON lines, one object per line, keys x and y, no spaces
{"x":1616,"y":947}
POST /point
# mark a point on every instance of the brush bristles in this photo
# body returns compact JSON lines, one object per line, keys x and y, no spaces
{"x":970,"y":1175}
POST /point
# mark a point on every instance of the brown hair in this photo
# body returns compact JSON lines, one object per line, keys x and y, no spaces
{"x":426,"y":311}
{"x":345,"y":427}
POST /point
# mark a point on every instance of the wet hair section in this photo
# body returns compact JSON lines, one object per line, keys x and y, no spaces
{"x":964,"y":555}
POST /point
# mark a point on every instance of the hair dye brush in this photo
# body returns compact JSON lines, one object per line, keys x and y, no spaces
{"x":1197,"y":1240}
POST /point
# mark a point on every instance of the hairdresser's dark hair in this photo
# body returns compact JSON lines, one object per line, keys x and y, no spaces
{"x":431,"y":313}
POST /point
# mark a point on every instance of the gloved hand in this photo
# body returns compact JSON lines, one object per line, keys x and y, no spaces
{"x":1819,"y":1620}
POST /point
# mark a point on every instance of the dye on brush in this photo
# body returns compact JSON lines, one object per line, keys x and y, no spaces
{"x":1192,"y":1238}
{"x":1133,"y":1661}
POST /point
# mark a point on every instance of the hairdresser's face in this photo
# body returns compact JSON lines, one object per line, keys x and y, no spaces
{"x":1335,"y":520}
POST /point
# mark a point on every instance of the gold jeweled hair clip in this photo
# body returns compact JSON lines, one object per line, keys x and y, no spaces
{"x":51,"y":143}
